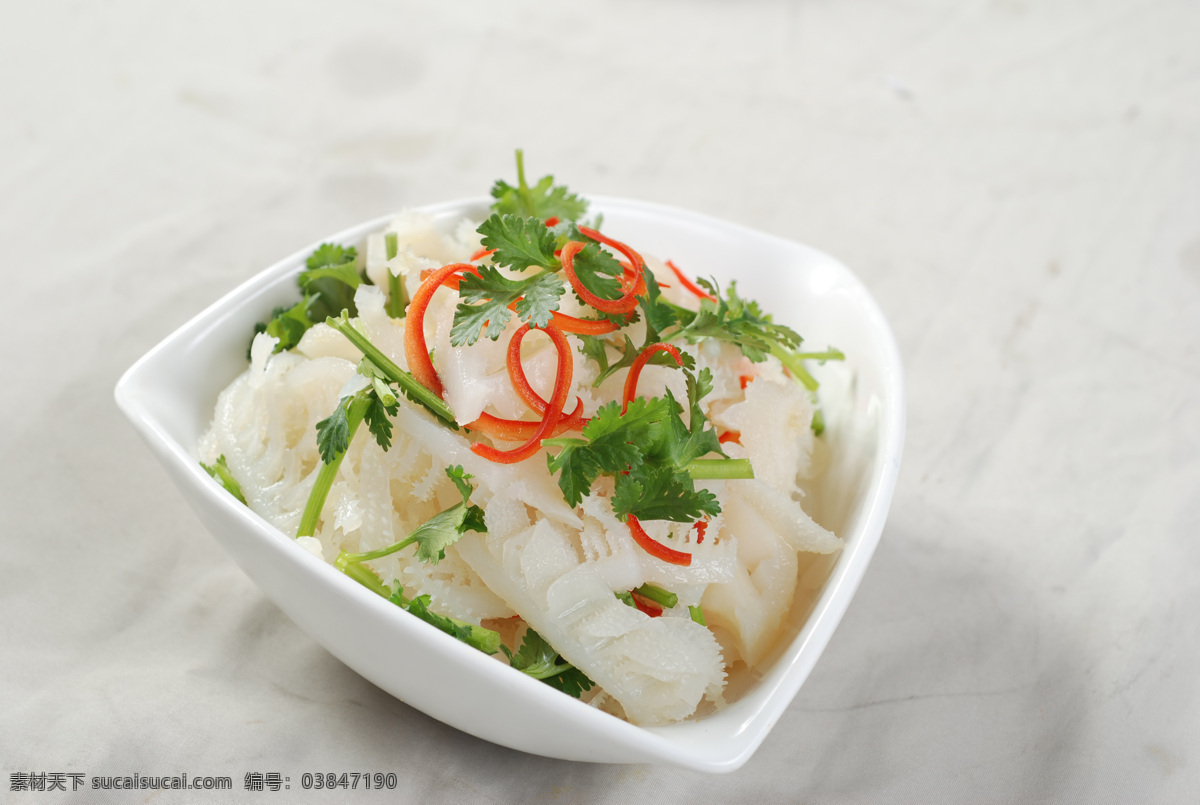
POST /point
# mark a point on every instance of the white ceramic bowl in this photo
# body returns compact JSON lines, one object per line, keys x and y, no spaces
{"x":170,"y":393}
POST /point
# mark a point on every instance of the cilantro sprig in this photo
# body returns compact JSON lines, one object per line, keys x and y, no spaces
{"x":538,"y":659}
{"x":328,"y":285}
{"x":220,"y":472}
{"x":543,"y":200}
{"x":518,"y":239}
{"x":653,"y":457}
{"x":436,"y":534}
{"x":729,"y":318}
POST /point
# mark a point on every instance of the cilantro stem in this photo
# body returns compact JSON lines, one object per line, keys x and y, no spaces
{"x":363,"y":575}
{"x":795,"y":364}
{"x":522,"y":185}
{"x":397,"y":302}
{"x":378,"y":553}
{"x":411,"y":387}
{"x":658,"y":595}
{"x":328,"y":472}
{"x":720,"y":469}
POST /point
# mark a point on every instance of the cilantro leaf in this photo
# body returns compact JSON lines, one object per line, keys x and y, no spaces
{"x":739,"y":322}
{"x":376,"y":417}
{"x":483,"y":311}
{"x":544,"y":200}
{"x":479,"y":637}
{"x":288,"y":324}
{"x":519,"y":242}
{"x":598,"y":271}
{"x":219,"y":470}
{"x":538,"y":659}
{"x":328,"y":286}
{"x":437,"y":533}
{"x":679,"y":445}
{"x":613,"y":445}
{"x":330,"y":254}
{"x":660,"y":315}
{"x":333,"y":433}
{"x":651,"y":455}
{"x":540,"y":299}
{"x":662,"y":493}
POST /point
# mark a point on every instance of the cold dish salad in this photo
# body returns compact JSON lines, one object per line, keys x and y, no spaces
{"x":532,"y":436}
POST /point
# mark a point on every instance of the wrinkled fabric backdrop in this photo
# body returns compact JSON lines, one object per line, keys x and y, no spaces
{"x":1017,"y":183}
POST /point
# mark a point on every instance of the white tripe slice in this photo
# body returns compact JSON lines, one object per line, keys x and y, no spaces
{"x":775,"y":422}
{"x":322,"y":341}
{"x":466,"y":238}
{"x":659,"y":669}
{"x":375,"y":258}
{"x":386,"y":333}
{"x":610,"y":545}
{"x":771,"y":528}
{"x":263,"y":425}
{"x":416,"y":231}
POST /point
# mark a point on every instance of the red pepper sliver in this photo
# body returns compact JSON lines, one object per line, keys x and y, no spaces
{"x":415,"y":348}
{"x":730,"y":436}
{"x":520,"y":430}
{"x":656,"y":549}
{"x":635,"y":371}
{"x":550,"y":417}
{"x":516,"y":374}
{"x":647,"y":606}
{"x":687,"y":283}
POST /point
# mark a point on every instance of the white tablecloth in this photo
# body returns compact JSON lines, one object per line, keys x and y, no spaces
{"x":1018,"y":183}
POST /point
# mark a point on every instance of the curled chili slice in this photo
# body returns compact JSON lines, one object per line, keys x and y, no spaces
{"x":633,"y":257}
{"x":519,"y":430}
{"x":654,"y":548}
{"x":575,"y":325}
{"x":415,"y":348}
{"x":635,"y":371}
{"x":516,"y":373}
{"x":687,"y":283}
{"x":571,"y":324}
{"x":554,"y":409}
{"x":625,"y":304}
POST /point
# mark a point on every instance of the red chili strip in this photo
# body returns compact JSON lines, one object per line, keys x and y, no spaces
{"x":415,"y":348}
{"x":554,"y":409}
{"x":520,"y":430}
{"x":552,"y":221}
{"x":635,"y":281}
{"x":701,"y":526}
{"x":482,"y":253}
{"x":687,"y":283}
{"x":516,"y":373}
{"x":656,"y":549}
{"x":577,"y":326}
{"x":625,"y":304}
{"x":730,"y":436}
{"x":635,"y":371}
{"x":645,"y":605}
{"x":452,"y":281}
{"x":571,"y":324}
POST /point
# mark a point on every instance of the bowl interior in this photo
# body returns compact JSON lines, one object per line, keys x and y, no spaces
{"x":170,"y":394}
